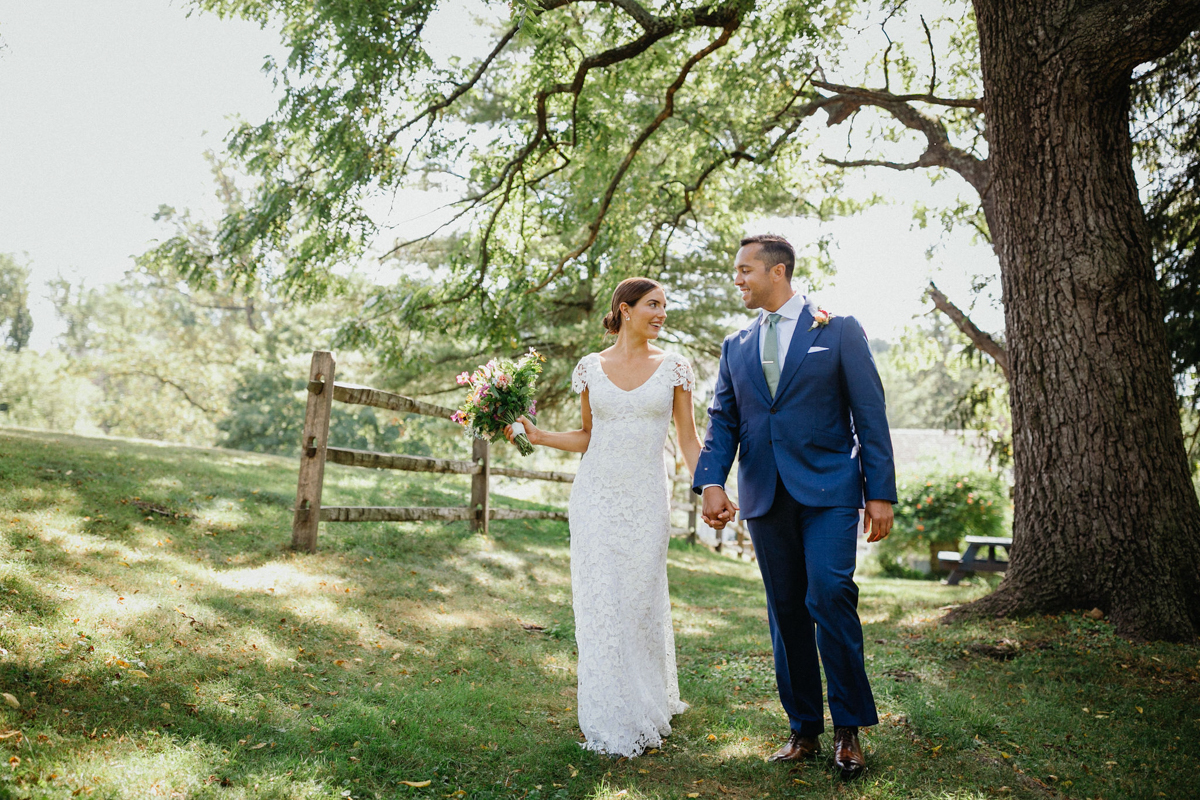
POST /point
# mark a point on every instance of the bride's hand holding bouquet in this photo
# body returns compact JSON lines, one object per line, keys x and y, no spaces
{"x":523,"y":425}
{"x":501,"y":397}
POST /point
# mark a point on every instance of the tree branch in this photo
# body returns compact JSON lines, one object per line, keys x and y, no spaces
{"x":164,"y":382}
{"x":939,"y":152}
{"x":921,"y":162}
{"x":932,"y":57}
{"x":1116,"y":35}
{"x":980,"y":339}
{"x":640,"y":15}
{"x":667,"y":110}
{"x":882,"y":96}
{"x":459,"y":90}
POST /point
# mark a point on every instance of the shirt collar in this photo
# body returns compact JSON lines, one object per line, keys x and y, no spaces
{"x":789,"y":310}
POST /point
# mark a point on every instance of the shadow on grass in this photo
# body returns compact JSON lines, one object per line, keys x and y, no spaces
{"x":161,"y":639}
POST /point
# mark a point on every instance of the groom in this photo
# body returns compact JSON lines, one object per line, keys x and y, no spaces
{"x":798,"y":392}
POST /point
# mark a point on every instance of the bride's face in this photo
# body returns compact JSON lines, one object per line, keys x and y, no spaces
{"x":648,"y":315}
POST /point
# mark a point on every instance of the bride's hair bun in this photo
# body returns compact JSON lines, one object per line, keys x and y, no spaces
{"x":629,"y":292}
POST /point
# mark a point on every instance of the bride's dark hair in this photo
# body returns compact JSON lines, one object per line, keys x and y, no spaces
{"x":629,"y":292}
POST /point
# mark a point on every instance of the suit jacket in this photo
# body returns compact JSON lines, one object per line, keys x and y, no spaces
{"x":825,"y":433}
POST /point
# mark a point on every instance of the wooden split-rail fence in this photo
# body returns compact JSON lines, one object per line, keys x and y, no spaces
{"x":316,"y":451}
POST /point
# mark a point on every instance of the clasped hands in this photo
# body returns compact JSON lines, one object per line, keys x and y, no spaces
{"x":719,"y":511}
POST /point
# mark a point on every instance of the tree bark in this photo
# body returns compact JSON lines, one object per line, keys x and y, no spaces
{"x":1105,"y":511}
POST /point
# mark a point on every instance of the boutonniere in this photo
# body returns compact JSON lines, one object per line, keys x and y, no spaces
{"x":821,"y":318}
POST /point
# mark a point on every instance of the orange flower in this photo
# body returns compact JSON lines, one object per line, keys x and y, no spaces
{"x":821,"y":318}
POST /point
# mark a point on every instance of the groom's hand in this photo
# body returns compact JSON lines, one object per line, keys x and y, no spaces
{"x":878,"y":521}
{"x":718,"y":509}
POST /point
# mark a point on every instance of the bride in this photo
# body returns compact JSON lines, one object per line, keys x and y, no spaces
{"x":620,"y":523}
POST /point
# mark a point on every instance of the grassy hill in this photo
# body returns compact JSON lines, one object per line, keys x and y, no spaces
{"x":158,"y":638}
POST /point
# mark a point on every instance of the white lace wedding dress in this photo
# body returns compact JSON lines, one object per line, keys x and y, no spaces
{"x":620,"y":525}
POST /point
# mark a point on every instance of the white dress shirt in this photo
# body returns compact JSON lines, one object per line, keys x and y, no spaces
{"x":784,"y":328}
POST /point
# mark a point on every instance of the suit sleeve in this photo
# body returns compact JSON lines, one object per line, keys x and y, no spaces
{"x":721,"y":440}
{"x":864,"y":391}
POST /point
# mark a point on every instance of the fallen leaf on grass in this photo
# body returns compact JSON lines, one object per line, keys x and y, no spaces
{"x":10,"y":734}
{"x":416,"y":784}
{"x":693,"y":794}
{"x":12,"y":701}
{"x":137,"y":673}
{"x":712,"y":738}
{"x":259,"y":746}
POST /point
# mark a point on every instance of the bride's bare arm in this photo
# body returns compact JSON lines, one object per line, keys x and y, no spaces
{"x":685,"y":428}
{"x":571,"y":441}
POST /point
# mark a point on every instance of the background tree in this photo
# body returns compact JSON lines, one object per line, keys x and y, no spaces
{"x":600,"y":135}
{"x":1167,"y":149}
{"x":935,"y":377}
{"x":14,"y":303}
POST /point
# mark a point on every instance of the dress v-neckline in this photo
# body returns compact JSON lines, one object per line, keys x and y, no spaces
{"x":600,"y":366}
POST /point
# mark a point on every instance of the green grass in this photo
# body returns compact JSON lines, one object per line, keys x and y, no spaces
{"x":196,"y":656}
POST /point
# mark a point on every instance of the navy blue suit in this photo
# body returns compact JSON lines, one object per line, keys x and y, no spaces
{"x":808,"y":459}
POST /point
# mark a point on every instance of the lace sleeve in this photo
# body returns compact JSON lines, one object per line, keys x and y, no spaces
{"x":681,"y":374}
{"x":579,"y":377}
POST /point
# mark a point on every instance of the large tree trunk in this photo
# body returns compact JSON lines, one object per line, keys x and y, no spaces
{"x":1106,"y":514}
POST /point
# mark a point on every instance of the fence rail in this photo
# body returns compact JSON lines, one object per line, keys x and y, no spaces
{"x":316,"y":452}
{"x":426,"y":513}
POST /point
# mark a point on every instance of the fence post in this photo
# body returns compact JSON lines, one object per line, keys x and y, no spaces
{"x":312,"y":452}
{"x":693,"y":517}
{"x":479,"y":486}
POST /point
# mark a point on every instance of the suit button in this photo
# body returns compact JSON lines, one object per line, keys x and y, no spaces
{"x":772,"y":411}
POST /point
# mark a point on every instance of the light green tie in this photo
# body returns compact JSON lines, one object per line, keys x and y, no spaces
{"x":770,"y":359}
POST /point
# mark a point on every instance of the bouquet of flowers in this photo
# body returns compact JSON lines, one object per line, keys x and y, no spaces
{"x":501,"y":391}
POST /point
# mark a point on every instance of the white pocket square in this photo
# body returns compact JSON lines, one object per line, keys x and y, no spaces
{"x":817,"y":349}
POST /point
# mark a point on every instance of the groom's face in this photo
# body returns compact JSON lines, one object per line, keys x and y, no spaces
{"x":753,"y":276}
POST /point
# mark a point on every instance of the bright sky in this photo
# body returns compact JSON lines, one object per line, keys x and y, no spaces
{"x":109,"y":108}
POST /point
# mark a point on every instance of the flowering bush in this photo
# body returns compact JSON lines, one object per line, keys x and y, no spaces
{"x":501,"y":391}
{"x":940,"y":506}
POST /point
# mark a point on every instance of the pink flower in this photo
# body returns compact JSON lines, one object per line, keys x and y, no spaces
{"x":463,"y":379}
{"x":502,"y":381}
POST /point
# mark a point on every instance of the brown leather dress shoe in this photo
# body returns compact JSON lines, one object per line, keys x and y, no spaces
{"x":847,"y":753}
{"x":798,"y":748}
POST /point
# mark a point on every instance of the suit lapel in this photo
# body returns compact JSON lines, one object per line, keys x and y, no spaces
{"x":752,"y":361}
{"x":802,"y":339}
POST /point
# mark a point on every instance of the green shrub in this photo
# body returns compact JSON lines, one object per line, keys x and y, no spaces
{"x":938,"y":507}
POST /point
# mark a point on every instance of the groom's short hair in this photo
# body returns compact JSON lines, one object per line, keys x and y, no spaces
{"x":774,"y":249}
